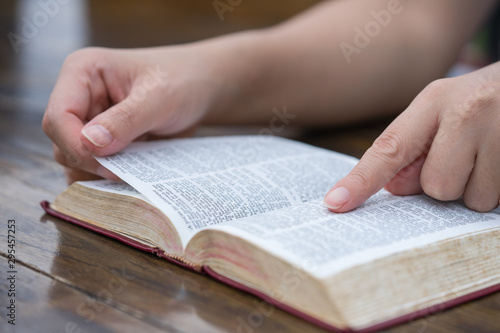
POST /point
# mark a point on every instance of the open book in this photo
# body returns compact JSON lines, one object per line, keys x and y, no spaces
{"x":248,"y":211}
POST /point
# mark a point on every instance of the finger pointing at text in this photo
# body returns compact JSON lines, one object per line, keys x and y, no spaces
{"x":446,"y":144}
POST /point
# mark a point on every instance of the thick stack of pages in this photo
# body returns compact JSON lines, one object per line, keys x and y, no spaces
{"x":247,"y":210}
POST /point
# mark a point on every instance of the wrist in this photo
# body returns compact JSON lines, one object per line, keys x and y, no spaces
{"x":234,"y":66}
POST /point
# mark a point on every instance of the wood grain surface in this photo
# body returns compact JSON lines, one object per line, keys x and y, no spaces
{"x":69,"y":279}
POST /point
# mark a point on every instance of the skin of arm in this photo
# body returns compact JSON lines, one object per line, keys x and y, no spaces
{"x":104,"y":98}
{"x":300,"y":63}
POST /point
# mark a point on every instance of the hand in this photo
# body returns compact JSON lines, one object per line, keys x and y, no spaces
{"x":446,"y":144}
{"x":104,"y":99}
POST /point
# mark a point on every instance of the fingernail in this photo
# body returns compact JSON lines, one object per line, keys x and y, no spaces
{"x":98,"y":135}
{"x":337,"y":198}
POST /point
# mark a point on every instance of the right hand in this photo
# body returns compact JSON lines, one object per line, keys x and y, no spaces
{"x":104,"y":99}
{"x":445,"y":144}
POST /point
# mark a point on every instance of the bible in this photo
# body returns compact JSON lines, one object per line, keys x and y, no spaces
{"x":248,"y":211}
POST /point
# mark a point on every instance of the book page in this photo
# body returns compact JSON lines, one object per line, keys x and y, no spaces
{"x":201,"y":182}
{"x":107,"y":185}
{"x":323,"y":243}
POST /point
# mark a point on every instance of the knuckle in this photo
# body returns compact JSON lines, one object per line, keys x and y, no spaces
{"x":47,"y":124}
{"x":440,"y":190}
{"x":478,"y":104}
{"x":482,"y":195}
{"x":472,"y":108}
{"x":361,"y":177}
{"x":387,"y":145}
{"x":480,"y":204}
{"x":59,"y":157}
{"x":406,"y":172}
{"x":73,"y":160}
{"x":69,"y":157}
{"x":435,"y":90}
{"x":83,"y":55}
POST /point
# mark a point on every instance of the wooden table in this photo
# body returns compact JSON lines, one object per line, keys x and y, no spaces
{"x":72,"y":280}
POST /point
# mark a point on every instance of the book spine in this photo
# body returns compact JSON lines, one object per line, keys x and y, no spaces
{"x":182,"y":262}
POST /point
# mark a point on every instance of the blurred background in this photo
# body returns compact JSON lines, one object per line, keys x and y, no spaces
{"x":37,"y":35}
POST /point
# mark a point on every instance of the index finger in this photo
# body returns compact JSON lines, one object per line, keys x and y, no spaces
{"x":66,"y":112}
{"x":405,"y":139}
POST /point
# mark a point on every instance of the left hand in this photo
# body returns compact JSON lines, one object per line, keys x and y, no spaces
{"x":446,"y":144}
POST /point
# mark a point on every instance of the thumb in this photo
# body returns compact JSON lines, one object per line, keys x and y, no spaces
{"x":113,"y":129}
{"x":403,"y":142}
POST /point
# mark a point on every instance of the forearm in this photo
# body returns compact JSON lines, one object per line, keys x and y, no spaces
{"x":314,"y":66}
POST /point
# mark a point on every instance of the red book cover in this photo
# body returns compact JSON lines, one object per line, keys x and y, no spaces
{"x":208,"y":271}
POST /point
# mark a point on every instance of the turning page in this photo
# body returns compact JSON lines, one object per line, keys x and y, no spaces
{"x":201,"y":182}
{"x":111,"y":186}
{"x":312,"y":238}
